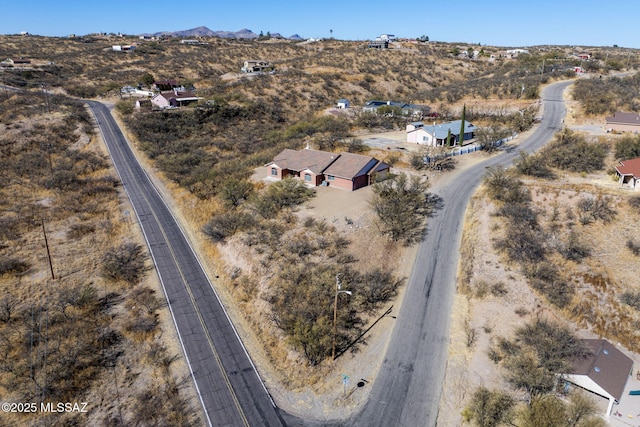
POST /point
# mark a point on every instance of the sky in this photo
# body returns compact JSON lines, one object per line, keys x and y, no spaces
{"x":485,"y":22}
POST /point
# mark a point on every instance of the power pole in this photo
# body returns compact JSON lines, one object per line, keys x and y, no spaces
{"x":46,"y":243}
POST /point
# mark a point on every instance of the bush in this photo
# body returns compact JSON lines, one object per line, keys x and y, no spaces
{"x":533,"y":165}
{"x":225,"y":225}
{"x":289,"y":192}
{"x":504,"y":186}
{"x":13,"y":266}
{"x":633,"y":246}
{"x":401,"y":204}
{"x":522,"y":244}
{"x":571,"y":151}
{"x":125,"y":262}
{"x":634,"y":202}
{"x":631,"y":298}
{"x":627,"y":147}
{"x":489,"y":408}
{"x":594,"y":209}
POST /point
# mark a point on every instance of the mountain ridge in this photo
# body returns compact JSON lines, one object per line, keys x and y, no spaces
{"x":203,"y":31}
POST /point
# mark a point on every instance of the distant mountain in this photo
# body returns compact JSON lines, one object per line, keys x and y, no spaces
{"x":203,"y":31}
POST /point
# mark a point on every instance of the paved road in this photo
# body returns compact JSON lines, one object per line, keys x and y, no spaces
{"x":227,"y":383}
{"x":408,"y":388}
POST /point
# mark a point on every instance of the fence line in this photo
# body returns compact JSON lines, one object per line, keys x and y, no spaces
{"x":466,"y":150}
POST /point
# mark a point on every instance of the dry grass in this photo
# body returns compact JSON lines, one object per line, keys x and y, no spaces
{"x":98,"y":341}
{"x":594,"y":311}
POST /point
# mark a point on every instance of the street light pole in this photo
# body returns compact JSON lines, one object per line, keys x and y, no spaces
{"x":335,"y":314}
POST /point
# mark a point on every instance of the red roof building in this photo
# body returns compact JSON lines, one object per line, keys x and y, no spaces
{"x":628,"y":172}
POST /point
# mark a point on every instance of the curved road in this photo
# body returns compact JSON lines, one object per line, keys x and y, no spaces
{"x":407,"y":391}
{"x":227,"y":383}
{"x":408,"y":388}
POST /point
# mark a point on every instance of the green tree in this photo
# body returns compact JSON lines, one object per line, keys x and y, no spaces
{"x":464,"y":116}
{"x":147,"y":79}
{"x":401,"y":205}
{"x":235,"y":191}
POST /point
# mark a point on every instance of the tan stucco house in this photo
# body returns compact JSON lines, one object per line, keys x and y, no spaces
{"x":348,"y":171}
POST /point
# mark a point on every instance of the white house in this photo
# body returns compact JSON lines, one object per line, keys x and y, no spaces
{"x":343,"y":103}
{"x":436,"y":135}
{"x":605,"y":372}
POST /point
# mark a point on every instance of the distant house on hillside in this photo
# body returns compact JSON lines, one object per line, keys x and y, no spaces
{"x":436,"y":135}
{"x":343,"y":103}
{"x":256,"y":66}
{"x":164,"y":85}
{"x":345,"y":170}
{"x":623,"y":122}
{"x":628,"y":172}
{"x":604,"y":372}
{"x":404,"y":108}
{"x":378,"y":44}
{"x":174,"y":98}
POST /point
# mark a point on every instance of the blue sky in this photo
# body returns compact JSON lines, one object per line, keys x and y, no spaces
{"x":489,"y":22}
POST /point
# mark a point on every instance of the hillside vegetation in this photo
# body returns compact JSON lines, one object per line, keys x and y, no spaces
{"x":280,"y":266}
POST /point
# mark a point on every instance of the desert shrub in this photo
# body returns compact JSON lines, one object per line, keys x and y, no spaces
{"x":521,"y":214}
{"x":225,"y":225}
{"x":287,"y":193}
{"x":522,"y":244}
{"x":538,"y":352}
{"x":627,"y":147}
{"x":63,"y":180}
{"x":633,"y":246}
{"x":489,"y":408}
{"x":593,"y":209}
{"x":125,"y":262}
{"x":234,"y":192}
{"x":631,"y":298}
{"x":574,"y":248}
{"x":401,"y":205}
{"x":557,"y":292}
{"x":571,"y":151}
{"x":634,"y":202}
{"x":13,"y":266}
{"x":550,"y":411}
{"x":533,"y":165}
{"x":504,"y":186}
{"x":377,"y":286}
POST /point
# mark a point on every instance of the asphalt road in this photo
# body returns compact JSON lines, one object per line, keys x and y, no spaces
{"x":408,"y":388}
{"x":227,"y":383}
{"x":407,"y":391}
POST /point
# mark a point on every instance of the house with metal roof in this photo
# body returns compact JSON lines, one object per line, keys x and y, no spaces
{"x":605,"y":372}
{"x":348,"y":171}
{"x":174,"y":99}
{"x":437,"y":134}
{"x":404,"y":108}
{"x":623,"y":122}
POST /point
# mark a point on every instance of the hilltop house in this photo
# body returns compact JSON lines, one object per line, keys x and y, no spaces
{"x":344,"y":170}
{"x":436,"y":135}
{"x":404,"y":108}
{"x":255,"y":66}
{"x":604,"y":372}
{"x":623,"y":122}
{"x":628,"y":172}
{"x":343,"y":103}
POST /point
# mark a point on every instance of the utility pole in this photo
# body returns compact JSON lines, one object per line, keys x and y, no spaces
{"x":46,"y":243}
{"x":335,"y":315}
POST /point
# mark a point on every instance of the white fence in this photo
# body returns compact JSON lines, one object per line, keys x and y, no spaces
{"x":466,"y":149}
